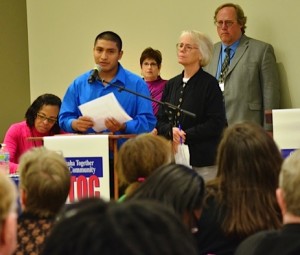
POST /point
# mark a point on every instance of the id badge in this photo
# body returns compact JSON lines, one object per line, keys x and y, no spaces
{"x":221,"y":85}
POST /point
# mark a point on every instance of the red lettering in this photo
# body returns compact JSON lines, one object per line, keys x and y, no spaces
{"x":82,"y":187}
{"x":94,"y":183}
{"x":71,"y":192}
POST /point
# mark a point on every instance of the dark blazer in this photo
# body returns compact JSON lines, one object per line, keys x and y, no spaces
{"x":203,"y":97}
{"x":252,"y":82}
{"x":273,"y":242}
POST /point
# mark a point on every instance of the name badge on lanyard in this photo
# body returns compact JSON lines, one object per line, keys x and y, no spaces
{"x":221,"y":85}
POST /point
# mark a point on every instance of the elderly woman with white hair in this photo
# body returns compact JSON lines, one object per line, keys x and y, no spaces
{"x":196,"y":91}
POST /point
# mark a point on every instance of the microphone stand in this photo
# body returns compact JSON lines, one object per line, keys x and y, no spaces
{"x":174,"y":108}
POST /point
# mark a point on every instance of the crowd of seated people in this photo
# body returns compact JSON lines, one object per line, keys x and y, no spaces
{"x":217,"y":215}
{"x":93,"y":226}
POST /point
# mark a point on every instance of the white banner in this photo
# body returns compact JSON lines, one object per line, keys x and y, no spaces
{"x":88,"y":159}
{"x":286,"y":129}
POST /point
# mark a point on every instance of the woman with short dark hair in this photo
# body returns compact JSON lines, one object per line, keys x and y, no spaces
{"x":150,"y":62}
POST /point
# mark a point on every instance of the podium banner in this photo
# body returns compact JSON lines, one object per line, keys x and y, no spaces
{"x":87,"y":157}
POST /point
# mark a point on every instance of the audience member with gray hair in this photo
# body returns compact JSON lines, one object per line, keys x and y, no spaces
{"x":44,"y":188}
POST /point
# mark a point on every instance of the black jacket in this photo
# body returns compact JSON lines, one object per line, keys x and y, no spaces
{"x":203,"y":97}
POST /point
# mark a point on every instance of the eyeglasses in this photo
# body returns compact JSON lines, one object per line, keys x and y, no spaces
{"x":185,"y":47}
{"x":152,"y":64}
{"x":227,"y":23}
{"x":42,"y":117}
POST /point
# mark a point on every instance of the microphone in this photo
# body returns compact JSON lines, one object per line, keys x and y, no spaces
{"x":169,"y":105}
{"x":94,"y":74}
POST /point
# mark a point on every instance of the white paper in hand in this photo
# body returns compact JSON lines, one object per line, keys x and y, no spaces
{"x":182,"y":156}
{"x":102,"y":108}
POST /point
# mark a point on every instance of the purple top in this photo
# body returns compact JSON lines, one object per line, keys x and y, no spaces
{"x":156,"y":89}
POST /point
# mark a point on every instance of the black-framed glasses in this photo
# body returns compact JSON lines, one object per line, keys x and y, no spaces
{"x":185,"y":47}
{"x":227,"y":23}
{"x":151,"y":64}
{"x":43,"y":117}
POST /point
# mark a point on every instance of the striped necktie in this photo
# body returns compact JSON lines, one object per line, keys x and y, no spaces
{"x":225,"y":66}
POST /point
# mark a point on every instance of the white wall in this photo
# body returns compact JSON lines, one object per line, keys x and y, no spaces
{"x":61,"y":36}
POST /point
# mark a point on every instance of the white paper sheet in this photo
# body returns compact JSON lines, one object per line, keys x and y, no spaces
{"x":102,"y":108}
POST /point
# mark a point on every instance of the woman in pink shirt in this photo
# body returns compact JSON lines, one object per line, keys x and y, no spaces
{"x":41,"y":120}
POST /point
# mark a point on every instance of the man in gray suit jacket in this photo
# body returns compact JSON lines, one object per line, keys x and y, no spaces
{"x":251,"y":84}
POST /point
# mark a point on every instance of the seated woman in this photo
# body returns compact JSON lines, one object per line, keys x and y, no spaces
{"x":139,"y":157}
{"x":179,"y":188}
{"x":41,"y":120}
{"x":241,"y":200}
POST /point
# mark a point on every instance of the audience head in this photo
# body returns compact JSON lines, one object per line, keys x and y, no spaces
{"x":248,"y":163}
{"x":43,"y":112}
{"x":110,"y":36}
{"x":197,"y":45}
{"x":138,"y":157}
{"x":288,"y":193}
{"x":176,"y":186}
{"x":92,"y":226}
{"x":8,"y":215}
{"x":150,"y":62}
{"x":248,"y":158}
{"x":44,"y":181}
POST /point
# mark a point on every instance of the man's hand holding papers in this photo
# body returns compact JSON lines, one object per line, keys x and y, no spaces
{"x":106,"y":113}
